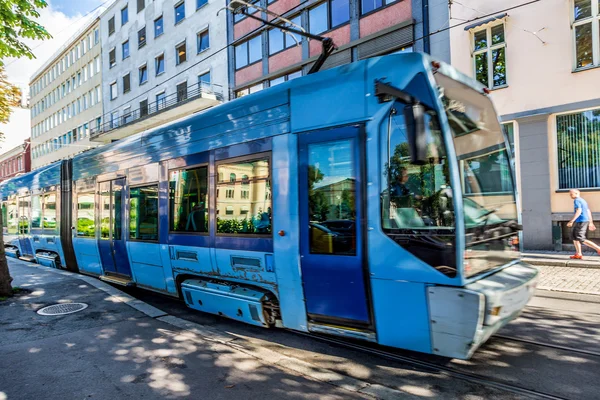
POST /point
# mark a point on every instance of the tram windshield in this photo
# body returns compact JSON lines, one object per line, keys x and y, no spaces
{"x":490,"y":208}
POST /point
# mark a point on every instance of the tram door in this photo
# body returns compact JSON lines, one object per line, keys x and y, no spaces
{"x":24,"y":226}
{"x":331,"y":211}
{"x":113,"y":252}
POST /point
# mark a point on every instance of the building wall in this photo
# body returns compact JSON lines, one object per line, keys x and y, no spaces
{"x":52,"y":136}
{"x":196,"y":20}
{"x":542,"y":83}
{"x":15,"y":161}
{"x":383,"y":30}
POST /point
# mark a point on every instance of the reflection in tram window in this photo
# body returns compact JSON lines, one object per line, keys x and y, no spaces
{"x":104,"y":210}
{"x":24,"y":215}
{"x":85,"y":215}
{"x":188,"y":200}
{"x":36,"y":212}
{"x":12,"y":218}
{"x":244,"y":206}
{"x":416,"y":200}
{"x":331,"y":199}
{"x":49,"y":213}
{"x":143,"y":213}
{"x":117,"y":197}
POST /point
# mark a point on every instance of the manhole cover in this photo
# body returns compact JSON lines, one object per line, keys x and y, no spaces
{"x":62,"y":309}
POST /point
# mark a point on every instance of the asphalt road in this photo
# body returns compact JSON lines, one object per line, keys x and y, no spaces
{"x":556,"y":328}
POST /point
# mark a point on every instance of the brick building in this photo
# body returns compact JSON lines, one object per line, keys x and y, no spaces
{"x":261,"y":56}
{"x":15,"y":161}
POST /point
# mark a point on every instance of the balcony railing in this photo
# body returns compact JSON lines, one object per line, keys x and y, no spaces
{"x":165,"y":103}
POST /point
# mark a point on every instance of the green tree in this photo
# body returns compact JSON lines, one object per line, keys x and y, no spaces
{"x":16,"y":23}
{"x":318,"y":205}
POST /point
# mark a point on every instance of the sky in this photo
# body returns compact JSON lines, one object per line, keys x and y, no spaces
{"x":62,"y":19}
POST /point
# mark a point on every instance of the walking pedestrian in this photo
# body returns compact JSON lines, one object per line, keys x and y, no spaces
{"x":580,"y":223}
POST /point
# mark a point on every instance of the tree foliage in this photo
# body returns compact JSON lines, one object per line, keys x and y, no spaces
{"x":10,"y":96}
{"x":17,"y":22}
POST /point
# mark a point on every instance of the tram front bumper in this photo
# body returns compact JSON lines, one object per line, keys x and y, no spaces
{"x":462,"y":319}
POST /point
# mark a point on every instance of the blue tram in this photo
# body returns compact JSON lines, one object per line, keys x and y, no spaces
{"x":375,"y":201}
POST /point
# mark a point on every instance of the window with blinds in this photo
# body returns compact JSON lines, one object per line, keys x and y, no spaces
{"x":578,"y":149}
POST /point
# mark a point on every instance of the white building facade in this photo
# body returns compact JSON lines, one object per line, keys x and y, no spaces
{"x":162,"y":62}
{"x":541,"y":63}
{"x":66,"y":98}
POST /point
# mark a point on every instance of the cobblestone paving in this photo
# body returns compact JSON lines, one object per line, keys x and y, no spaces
{"x":570,"y":279}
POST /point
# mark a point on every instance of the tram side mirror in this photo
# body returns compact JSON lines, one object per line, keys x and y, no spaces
{"x":416,"y":129}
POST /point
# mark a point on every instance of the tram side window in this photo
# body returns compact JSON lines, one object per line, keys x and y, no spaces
{"x":416,"y":200}
{"x":12,"y":218}
{"x":24,"y":203}
{"x":36,"y":212}
{"x":86,"y":226}
{"x":188,"y":200}
{"x":49,"y":213}
{"x":244,"y":203}
{"x":143,"y":213}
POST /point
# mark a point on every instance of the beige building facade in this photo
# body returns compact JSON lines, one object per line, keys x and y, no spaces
{"x":541,"y":63}
{"x":66,"y":98}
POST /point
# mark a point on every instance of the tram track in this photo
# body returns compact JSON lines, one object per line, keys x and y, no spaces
{"x":438,"y":368}
{"x":549,"y":345}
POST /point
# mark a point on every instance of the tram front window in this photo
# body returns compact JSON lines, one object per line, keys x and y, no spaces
{"x":416,"y":200}
{"x":490,"y":208}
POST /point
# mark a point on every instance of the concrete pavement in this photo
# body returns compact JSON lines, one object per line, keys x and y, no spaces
{"x":113,"y":351}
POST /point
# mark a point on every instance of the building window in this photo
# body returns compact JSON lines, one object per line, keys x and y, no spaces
{"x":140,"y":5}
{"x":239,"y":17}
{"x":489,"y":56}
{"x":143,"y":108}
{"x":578,"y":144}
{"x":200,"y":3}
{"x":250,"y":90}
{"x":125,"y":49}
{"x":188,"y":200}
{"x":256,"y":218}
{"x":127,"y":117}
{"x":586,"y":16}
{"x":141,"y":37}
{"x":285,"y":78}
{"x":126,"y":83}
{"x":278,"y":40}
{"x":124,"y":15}
{"x":204,"y":82}
{"x":182,"y":91}
{"x":328,"y":15}
{"x":143,"y":72}
{"x":180,"y":53}
{"x":158,"y":26}
{"x":112,"y":57}
{"x":96,"y":37}
{"x":161,"y":101}
{"x":203,"y":41}
{"x":111,"y":27}
{"x":248,"y":52}
{"x":370,"y":5}
{"x":160,"y":64}
{"x":179,"y":12}
{"x":113,"y":91}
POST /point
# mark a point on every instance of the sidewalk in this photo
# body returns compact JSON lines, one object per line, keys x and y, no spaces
{"x":120,"y":348}
{"x":561,"y":259}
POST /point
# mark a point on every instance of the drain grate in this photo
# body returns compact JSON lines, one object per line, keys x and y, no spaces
{"x":62,"y":309}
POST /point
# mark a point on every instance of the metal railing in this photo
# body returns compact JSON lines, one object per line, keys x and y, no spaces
{"x":165,"y":103}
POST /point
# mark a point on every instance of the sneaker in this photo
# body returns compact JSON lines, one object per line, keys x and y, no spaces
{"x":578,"y":256}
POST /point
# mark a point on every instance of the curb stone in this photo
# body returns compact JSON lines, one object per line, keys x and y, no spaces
{"x":544,"y":262}
{"x":269,"y":357}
